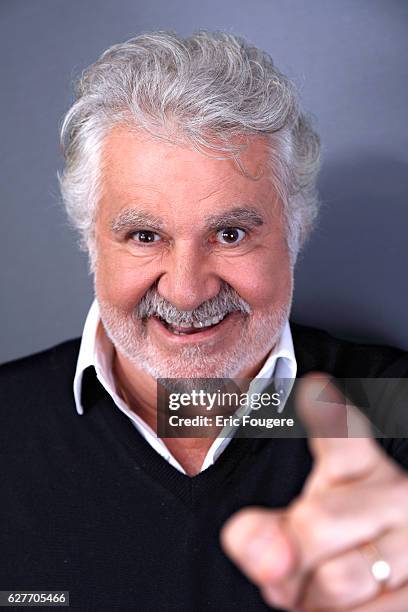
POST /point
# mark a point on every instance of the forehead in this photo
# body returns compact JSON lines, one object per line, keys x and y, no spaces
{"x":173,"y":180}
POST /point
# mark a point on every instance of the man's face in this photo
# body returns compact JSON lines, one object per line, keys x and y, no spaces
{"x":189,"y":238}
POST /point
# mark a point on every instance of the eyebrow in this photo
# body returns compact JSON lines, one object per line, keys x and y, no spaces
{"x":132,"y":217}
{"x":247,"y":216}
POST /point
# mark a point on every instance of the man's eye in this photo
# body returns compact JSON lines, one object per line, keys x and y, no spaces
{"x":145,"y":236}
{"x":231,"y":235}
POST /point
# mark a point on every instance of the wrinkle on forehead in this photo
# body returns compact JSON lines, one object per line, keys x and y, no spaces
{"x":142,"y":172}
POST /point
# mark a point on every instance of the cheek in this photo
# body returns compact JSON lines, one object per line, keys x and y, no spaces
{"x":264,"y":280}
{"x":121,"y":285}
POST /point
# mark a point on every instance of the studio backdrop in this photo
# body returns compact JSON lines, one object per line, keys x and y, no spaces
{"x":349,"y":60}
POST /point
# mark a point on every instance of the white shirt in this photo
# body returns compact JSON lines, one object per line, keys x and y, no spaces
{"x":97,"y":350}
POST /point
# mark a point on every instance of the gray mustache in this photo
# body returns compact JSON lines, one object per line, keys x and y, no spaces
{"x":227,"y":300}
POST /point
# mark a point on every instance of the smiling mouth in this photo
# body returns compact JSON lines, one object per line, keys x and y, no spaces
{"x":186,"y":329}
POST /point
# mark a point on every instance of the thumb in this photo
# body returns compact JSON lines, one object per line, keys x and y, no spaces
{"x":339,"y":434}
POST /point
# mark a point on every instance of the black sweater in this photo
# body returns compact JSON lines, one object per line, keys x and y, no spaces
{"x":87,"y":506}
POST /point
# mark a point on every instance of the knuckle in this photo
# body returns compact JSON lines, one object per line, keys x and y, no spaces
{"x":399,"y":498}
{"x":332,"y":581}
{"x":312,"y":520}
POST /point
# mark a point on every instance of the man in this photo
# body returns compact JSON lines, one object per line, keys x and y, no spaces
{"x":190,"y":175}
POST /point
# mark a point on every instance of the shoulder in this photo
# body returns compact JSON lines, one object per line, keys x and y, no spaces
{"x":53,"y":368}
{"x":316,"y":349}
{"x":37,"y":401}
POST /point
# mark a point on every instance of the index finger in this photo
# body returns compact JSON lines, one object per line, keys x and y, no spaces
{"x":340,"y":435}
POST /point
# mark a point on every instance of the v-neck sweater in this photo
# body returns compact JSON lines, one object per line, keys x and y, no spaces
{"x":88,"y":506}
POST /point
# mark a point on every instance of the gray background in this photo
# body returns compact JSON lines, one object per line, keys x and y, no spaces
{"x":349,"y":59}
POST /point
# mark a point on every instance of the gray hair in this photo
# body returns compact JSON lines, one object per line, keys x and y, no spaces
{"x":203,"y":90}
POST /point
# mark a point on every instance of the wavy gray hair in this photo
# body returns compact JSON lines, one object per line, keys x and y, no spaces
{"x":202,"y":90}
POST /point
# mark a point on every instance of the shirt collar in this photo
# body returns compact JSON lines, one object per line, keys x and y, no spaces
{"x":96,"y":350}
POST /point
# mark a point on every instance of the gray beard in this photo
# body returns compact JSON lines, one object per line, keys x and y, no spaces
{"x":253,"y":344}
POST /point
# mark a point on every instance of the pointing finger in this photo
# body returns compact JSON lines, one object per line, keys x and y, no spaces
{"x":340,"y":435}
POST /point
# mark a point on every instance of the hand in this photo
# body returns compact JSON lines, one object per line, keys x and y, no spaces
{"x":313,"y":555}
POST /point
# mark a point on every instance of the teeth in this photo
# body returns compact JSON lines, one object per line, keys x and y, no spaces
{"x":209,"y":322}
{"x":197,"y":324}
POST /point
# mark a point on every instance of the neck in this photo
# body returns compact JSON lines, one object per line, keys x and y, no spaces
{"x":139,"y":390}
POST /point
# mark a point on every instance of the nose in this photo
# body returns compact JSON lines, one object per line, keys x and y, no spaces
{"x":187,"y":279}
